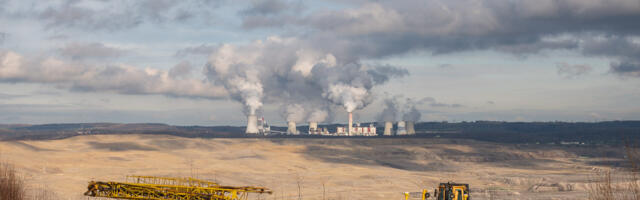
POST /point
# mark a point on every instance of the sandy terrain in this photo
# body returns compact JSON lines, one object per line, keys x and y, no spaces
{"x":348,"y":168}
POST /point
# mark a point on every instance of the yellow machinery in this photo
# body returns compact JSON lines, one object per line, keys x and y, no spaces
{"x":445,"y":191}
{"x":162,"y":188}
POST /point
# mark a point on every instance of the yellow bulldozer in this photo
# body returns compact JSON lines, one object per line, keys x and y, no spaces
{"x":445,"y":191}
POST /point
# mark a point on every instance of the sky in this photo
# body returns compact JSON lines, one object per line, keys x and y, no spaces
{"x":199,"y":62}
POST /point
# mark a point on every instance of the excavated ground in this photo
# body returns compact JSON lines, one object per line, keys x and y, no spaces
{"x":342,"y":168}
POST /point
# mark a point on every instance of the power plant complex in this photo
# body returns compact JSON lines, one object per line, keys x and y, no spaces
{"x":257,"y":126}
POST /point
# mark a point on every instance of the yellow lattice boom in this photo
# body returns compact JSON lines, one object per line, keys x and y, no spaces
{"x":163,"y":188}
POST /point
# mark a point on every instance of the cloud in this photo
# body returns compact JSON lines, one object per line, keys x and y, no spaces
{"x":82,"y":51}
{"x":200,"y":50}
{"x":11,"y":96}
{"x":378,"y":29}
{"x":626,"y":68}
{"x":613,"y":46}
{"x":123,"y":79}
{"x":433,"y":103}
{"x":181,"y":70}
{"x":265,"y":7}
{"x":571,"y":71}
{"x":270,"y":13}
{"x":3,"y":36}
{"x":383,"y":73}
{"x":438,"y":104}
{"x":113,"y":15}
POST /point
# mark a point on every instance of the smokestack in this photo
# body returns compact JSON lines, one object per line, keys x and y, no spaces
{"x":252,"y":125}
{"x":402,"y":129}
{"x":410,"y":128}
{"x":388,"y":126}
{"x":292,"y":128}
{"x":350,"y":124}
{"x":313,"y":127}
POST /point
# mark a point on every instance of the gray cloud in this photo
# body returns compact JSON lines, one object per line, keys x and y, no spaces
{"x":613,"y":46}
{"x":11,"y":96}
{"x":181,"y":70}
{"x":82,"y":51}
{"x":3,"y":36}
{"x":123,"y":79}
{"x":200,"y":50}
{"x":271,"y":13}
{"x":375,"y":29}
{"x":626,"y":68}
{"x":113,"y":15}
{"x":265,"y":7}
{"x":383,"y":73}
{"x":433,"y":103}
{"x":571,"y":71}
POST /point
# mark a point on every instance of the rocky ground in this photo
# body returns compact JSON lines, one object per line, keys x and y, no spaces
{"x":333,"y":168}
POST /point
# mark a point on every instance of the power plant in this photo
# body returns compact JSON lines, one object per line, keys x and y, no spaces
{"x":260,"y":126}
{"x":263,"y":127}
{"x":351,"y":129}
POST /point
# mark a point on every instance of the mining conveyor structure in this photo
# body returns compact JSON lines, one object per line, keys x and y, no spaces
{"x":163,"y":188}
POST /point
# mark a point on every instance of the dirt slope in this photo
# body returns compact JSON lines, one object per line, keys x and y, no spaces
{"x":348,"y":168}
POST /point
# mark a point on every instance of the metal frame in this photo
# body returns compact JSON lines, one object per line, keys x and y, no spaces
{"x":162,"y":188}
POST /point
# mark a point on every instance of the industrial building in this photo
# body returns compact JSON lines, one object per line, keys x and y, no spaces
{"x":261,"y":127}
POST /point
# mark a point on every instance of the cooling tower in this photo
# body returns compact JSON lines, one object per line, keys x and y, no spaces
{"x":388,"y":126}
{"x":252,"y":125}
{"x":410,"y":129}
{"x":402,"y":129}
{"x":350,"y":129}
{"x":292,"y":128}
{"x":313,"y":127}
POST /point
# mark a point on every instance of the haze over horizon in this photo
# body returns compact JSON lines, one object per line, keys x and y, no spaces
{"x":200,"y":62}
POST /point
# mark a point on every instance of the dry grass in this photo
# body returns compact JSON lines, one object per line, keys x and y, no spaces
{"x":11,"y":185}
{"x":604,"y":186}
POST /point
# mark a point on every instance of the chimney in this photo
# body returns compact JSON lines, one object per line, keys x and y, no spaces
{"x":350,"y":129}
{"x":252,"y":125}
{"x":313,"y":127}
{"x":410,"y":129}
{"x":388,"y":126}
{"x":292,"y":128}
{"x":402,"y":129}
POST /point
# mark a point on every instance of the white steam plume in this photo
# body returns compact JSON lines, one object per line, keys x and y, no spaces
{"x":390,"y":111}
{"x":318,"y":115}
{"x":350,"y":97}
{"x":411,"y":113}
{"x":292,"y":73}
{"x":294,"y":112}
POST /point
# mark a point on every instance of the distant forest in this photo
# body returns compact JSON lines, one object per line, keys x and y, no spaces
{"x":568,"y":133}
{"x":609,"y":132}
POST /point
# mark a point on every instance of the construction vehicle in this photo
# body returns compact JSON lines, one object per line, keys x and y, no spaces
{"x":445,"y":191}
{"x":162,"y":188}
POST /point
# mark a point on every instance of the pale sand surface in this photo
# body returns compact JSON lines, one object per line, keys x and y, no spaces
{"x":348,"y":168}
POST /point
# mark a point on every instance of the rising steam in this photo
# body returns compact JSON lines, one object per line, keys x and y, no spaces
{"x":390,"y":111}
{"x":350,"y":97}
{"x":306,"y":81}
